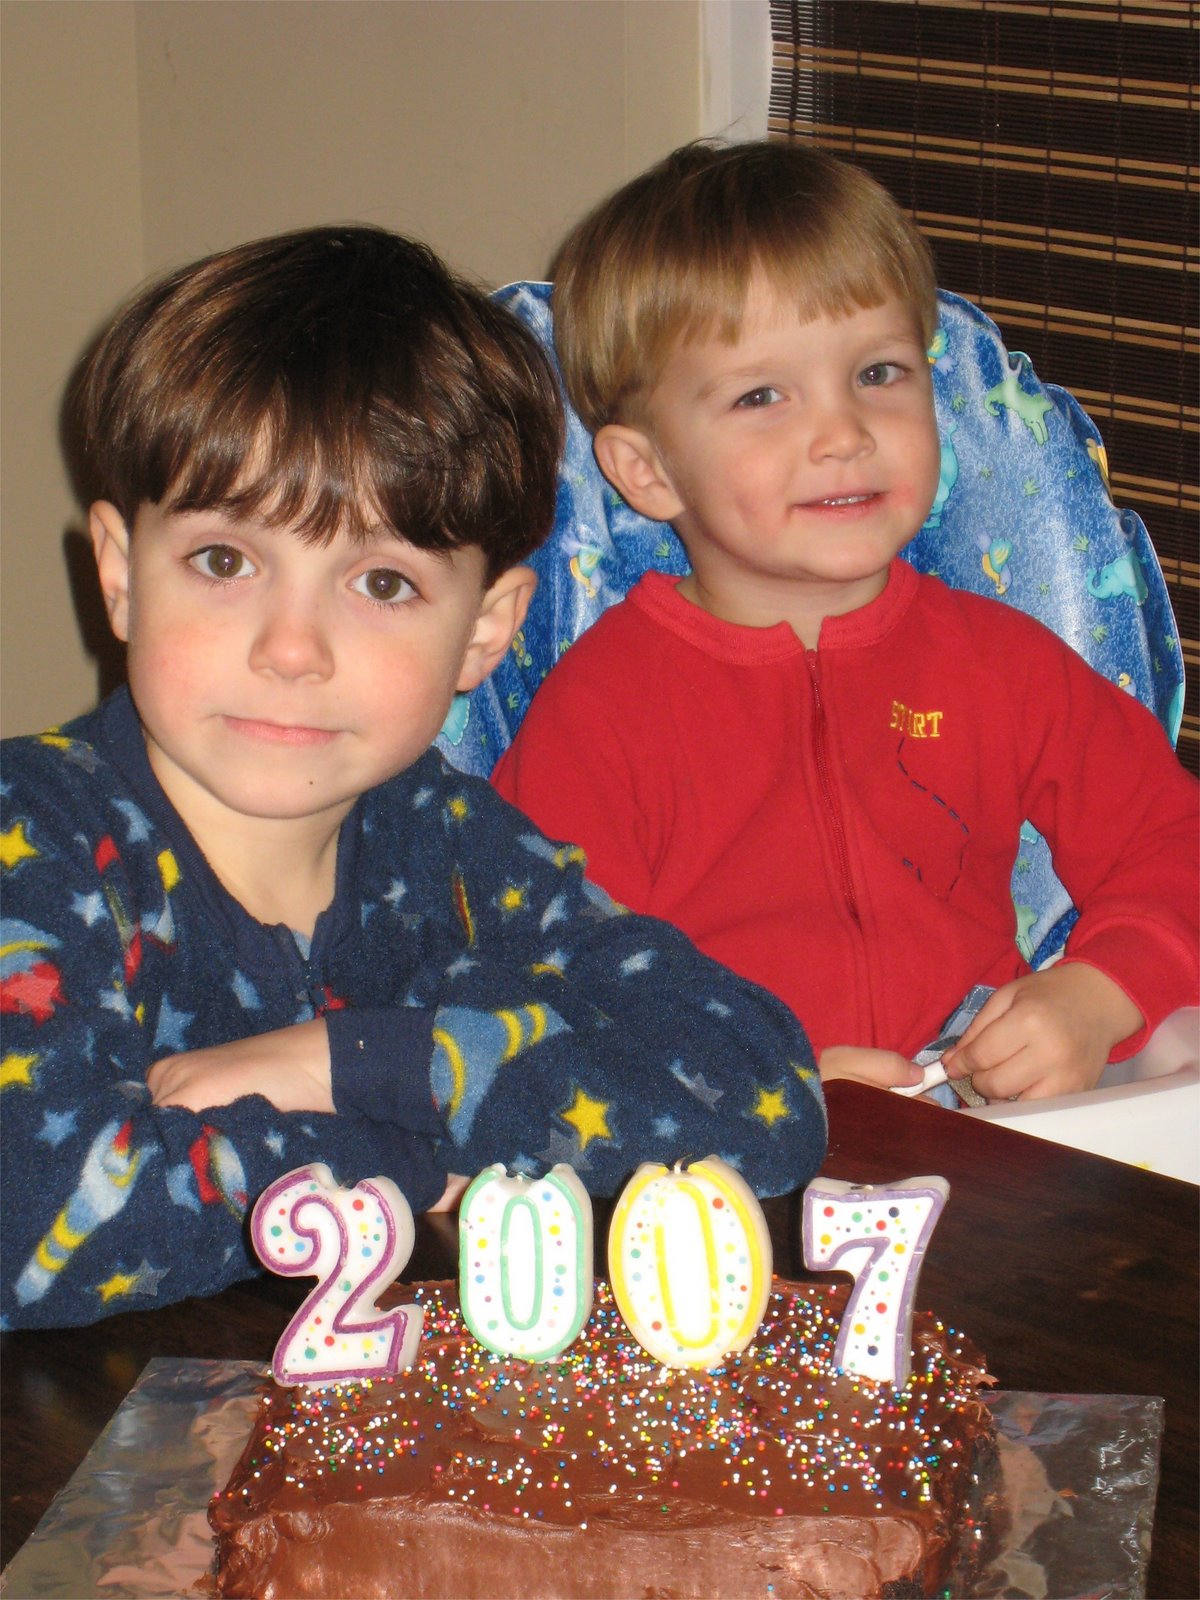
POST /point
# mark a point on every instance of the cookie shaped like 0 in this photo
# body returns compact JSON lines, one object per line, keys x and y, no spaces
{"x":689,"y":1256}
{"x":525,"y":1261}
{"x":355,"y":1241}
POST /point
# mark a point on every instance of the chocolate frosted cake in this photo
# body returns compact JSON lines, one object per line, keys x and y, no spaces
{"x":602,"y":1473}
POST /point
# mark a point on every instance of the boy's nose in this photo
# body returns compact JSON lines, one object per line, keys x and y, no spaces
{"x":291,"y":642}
{"x":840,"y":433}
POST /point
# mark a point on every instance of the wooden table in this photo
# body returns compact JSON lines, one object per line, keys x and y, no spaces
{"x":1074,"y":1273}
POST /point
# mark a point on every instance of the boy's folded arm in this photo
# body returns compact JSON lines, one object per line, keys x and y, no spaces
{"x":112,"y":1201}
{"x":370,"y":1062}
{"x":150,"y":1206}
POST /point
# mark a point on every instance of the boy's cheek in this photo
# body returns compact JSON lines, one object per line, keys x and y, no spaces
{"x":924,"y":490}
{"x":169,"y":669}
{"x":914,"y":500}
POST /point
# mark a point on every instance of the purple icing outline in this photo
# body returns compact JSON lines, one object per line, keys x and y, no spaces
{"x":384,"y":1273}
{"x":902,"y":1352}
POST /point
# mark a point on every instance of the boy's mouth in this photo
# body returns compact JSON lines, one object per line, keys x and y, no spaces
{"x":280,"y":732}
{"x":843,"y":502}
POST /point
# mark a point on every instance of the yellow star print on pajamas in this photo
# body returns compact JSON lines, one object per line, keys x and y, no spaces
{"x":17,"y":1071}
{"x":589,"y":1118}
{"x":121,"y":1283}
{"x":168,"y":869}
{"x":15,"y":847}
{"x":770,"y":1106}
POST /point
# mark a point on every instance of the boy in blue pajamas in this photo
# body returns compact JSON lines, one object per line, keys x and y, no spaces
{"x":251,"y":919}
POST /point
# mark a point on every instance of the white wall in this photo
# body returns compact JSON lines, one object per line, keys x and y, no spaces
{"x":139,"y":134}
{"x":736,"y":68}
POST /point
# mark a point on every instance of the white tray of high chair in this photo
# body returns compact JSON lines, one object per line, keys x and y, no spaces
{"x":1145,"y":1111}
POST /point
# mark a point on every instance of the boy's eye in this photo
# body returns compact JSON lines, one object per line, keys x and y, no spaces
{"x":765,"y":396}
{"x":383,"y":585}
{"x":221,"y":561}
{"x":880,"y":373}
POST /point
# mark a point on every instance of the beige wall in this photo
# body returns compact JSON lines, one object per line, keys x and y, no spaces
{"x":137,"y":135}
{"x":70,"y":247}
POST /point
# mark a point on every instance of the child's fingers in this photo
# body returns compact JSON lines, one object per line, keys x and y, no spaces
{"x":1048,"y":1033}
{"x":894,"y":1071}
{"x":1015,"y":1078}
{"x":1020,"y":1055}
{"x":931,"y":1076}
{"x":999,"y":1061}
{"x":969,"y":1055}
{"x":996,"y":1053}
{"x":883,"y":1069}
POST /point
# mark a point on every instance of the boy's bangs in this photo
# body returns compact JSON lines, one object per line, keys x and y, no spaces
{"x":827,"y":276}
{"x":277,"y":485}
{"x":833,"y":282}
{"x":322,"y":477}
{"x":828,"y":272}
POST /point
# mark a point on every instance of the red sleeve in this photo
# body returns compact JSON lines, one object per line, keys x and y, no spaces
{"x":573,"y":768}
{"x":1106,"y":789}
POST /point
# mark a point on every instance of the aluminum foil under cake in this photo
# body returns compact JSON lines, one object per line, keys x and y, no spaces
{"x":1079,"y":1475}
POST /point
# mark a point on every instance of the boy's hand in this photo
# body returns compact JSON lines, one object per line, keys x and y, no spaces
{"x":882,"y":1069}
{"x":289,"y":1067}
{"x":1049,"y":1033}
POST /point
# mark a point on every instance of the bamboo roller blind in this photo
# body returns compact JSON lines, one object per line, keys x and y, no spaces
{"x":1048,"y":151}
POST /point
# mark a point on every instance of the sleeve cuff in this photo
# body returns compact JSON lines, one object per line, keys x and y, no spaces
{"x":1153,"y":967}
{"x":379,"y":1066}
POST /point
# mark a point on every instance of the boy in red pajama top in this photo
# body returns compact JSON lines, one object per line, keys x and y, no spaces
{"x":811,"y":758}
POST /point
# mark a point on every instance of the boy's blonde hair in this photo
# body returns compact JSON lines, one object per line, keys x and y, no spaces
{"x":669,"y":256}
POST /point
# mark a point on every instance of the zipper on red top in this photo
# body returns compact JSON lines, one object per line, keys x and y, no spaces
{"x":828,"y":791}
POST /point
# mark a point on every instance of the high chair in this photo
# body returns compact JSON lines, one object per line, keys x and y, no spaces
{"x":1022,"y":513}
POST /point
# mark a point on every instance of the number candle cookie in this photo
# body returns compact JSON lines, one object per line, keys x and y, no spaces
{"x":878,"y":1235}
{"x":355,"y":1241}
{"x":689,"y":1256}
{"x":525,"y":1261}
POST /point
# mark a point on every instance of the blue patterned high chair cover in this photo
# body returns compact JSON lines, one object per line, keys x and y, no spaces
{"x":1022,"y":513}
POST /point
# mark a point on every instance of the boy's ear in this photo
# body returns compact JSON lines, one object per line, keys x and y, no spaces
{"x":501,"y":613}
{"x":110,"y":542}
{"x":628,"y":459}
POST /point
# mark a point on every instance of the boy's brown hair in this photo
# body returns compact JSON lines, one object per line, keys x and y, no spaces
{"x":330,"y":378}
{"x":669,"y":256}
